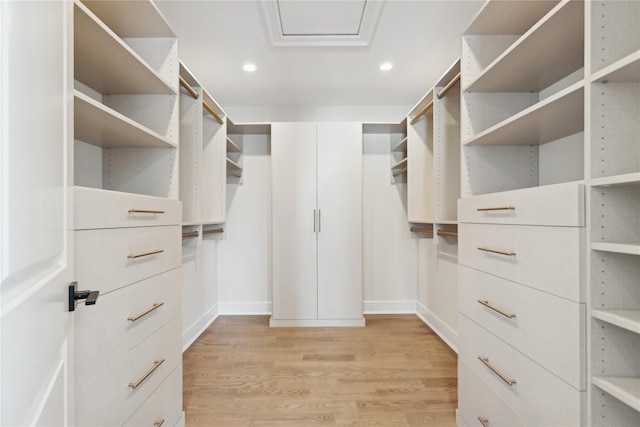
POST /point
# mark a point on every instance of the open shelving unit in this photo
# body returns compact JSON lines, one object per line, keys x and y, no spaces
{"x":615,"y":202}
{"x":125,"y":98}
{"x":523,"y":97}
{"x":614,"y":178}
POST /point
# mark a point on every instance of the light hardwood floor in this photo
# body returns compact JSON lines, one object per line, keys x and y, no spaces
{"x":393,"y":372}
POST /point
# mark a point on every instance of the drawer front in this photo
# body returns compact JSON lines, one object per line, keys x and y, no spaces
{"x":561,"y":204}
{"x":531,"y":321}
{"x":104,"y":333}
{"x":476,"y":401}
{"x":550,"y":259}
{"x":164,"y":406}
{"x":537,"y":397}
{"x":109,"y":259}
{"x":95,"y":208}
{"x":109,"y":400}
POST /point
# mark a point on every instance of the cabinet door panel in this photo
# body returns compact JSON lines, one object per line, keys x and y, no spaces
{"x":340,"y":220}
{"x":293,"y":164}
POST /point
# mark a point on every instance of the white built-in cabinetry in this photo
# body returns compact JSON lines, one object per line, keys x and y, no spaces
{"x":552,"y":96}
{"x":127,"y":216}
{"x":317,"y":224}
{"x":613,"y":169}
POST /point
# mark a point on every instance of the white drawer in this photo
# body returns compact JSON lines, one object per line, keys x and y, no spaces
{"x":542,"y":321}
{"x":476,"y":401}
{"x":560,"y":204}
{"x":109,"y":259}
{"x":164,"y":406}
{"x":104,"y":333}
{"x":550,"y":259}
{"x":95,"y":208}
{"x":538,"y":397}
{"x":109,"y":400}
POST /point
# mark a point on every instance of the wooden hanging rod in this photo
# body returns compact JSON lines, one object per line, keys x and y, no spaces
{"x":400,"y":172}
{"x":421,"y":230}
{"x":190,"y":234}
{"x":449,"y":85}
{"x":422,"y":112}
{"x":213,"y":113}
{"x":188,"y":87}
{"x":447,"y":233}
{"x":213,"y":231}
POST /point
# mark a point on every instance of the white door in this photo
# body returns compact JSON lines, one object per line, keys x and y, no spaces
{"x":340,"y":220}
{"x":293,"y":165}
{"x":37,"y":243}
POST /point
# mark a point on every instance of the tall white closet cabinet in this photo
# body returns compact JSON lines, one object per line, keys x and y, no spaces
{"x":317,"y":224}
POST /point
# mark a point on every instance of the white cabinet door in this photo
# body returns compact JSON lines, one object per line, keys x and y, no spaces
{"x":37,"y":241}
{"x":293,"y":157}
{"x":339,"y":220}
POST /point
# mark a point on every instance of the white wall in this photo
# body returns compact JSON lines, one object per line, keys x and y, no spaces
{"x":390,"y":253}
{"x":244,"y":254}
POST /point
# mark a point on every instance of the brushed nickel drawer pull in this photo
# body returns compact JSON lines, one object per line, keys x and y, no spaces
{"x":497,"y":310}
{"x":495,"y":371}
{"x":155,"y":306}
{"x":484,"y":421}
{"x":158,"y":423}
{"x":156,"y":365}
{"x":493,"y":251}
{"x":145,"y":254}
{"x":145,"y":211}
{"x":497,"y":208}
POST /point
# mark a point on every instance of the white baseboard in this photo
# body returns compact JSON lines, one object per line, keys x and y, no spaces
{"x":443,"y":330}
{"x":245,"y":308}
{"x":389,"y":307}
{"x":198,"y":327}
{"x":311,"y":323}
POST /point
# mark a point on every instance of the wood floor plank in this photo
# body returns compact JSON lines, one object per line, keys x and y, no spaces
{"x":393,"y":372}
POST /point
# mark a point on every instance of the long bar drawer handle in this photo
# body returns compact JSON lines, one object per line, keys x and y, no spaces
{"x":156,"y":365}
{"x":141,"y":315}
{"x":484,"y":421}
{"x":145,"y":254}
{"x":494,"y":251}
{"x":497,"y":208}
{"x":145,"y":211}
{"x":158,"y":423}
{"x":495,"y":371}
{"x":497,"y":310}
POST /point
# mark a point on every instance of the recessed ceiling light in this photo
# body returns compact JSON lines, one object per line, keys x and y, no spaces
{"x":386,"y":66}
{"x":250,"y":67}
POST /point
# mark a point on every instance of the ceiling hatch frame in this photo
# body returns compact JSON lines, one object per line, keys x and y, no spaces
{"x":369,"y":21}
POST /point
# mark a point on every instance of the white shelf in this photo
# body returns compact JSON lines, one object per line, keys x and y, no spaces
{"x":401,"y":146}
{"x":625,"y":70}
{"x":190,"y":223}
{"x":106,"y":64}
{"x":402,"y":163}
{"x":549,"y":51}
{"x":625,"y":389}
{"x":522,"y":15}
{"x":447,"y":222}
{"x":212,"y":222}
{"x":555,"y":117}
{"x":626,"y":319}
{"x":99,"y":125}
{"x":628,"y":179}
{"x":621,"y":248}
{"x":124,"y":18}
{"x":232,"y":147}
{"x":233,"y":165}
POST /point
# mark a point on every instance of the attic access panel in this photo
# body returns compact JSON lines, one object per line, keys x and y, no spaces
{"x":321,"y":22}
{"x":321,"y":18}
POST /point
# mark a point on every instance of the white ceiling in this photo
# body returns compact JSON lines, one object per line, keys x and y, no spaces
{"x":420,"y":37}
